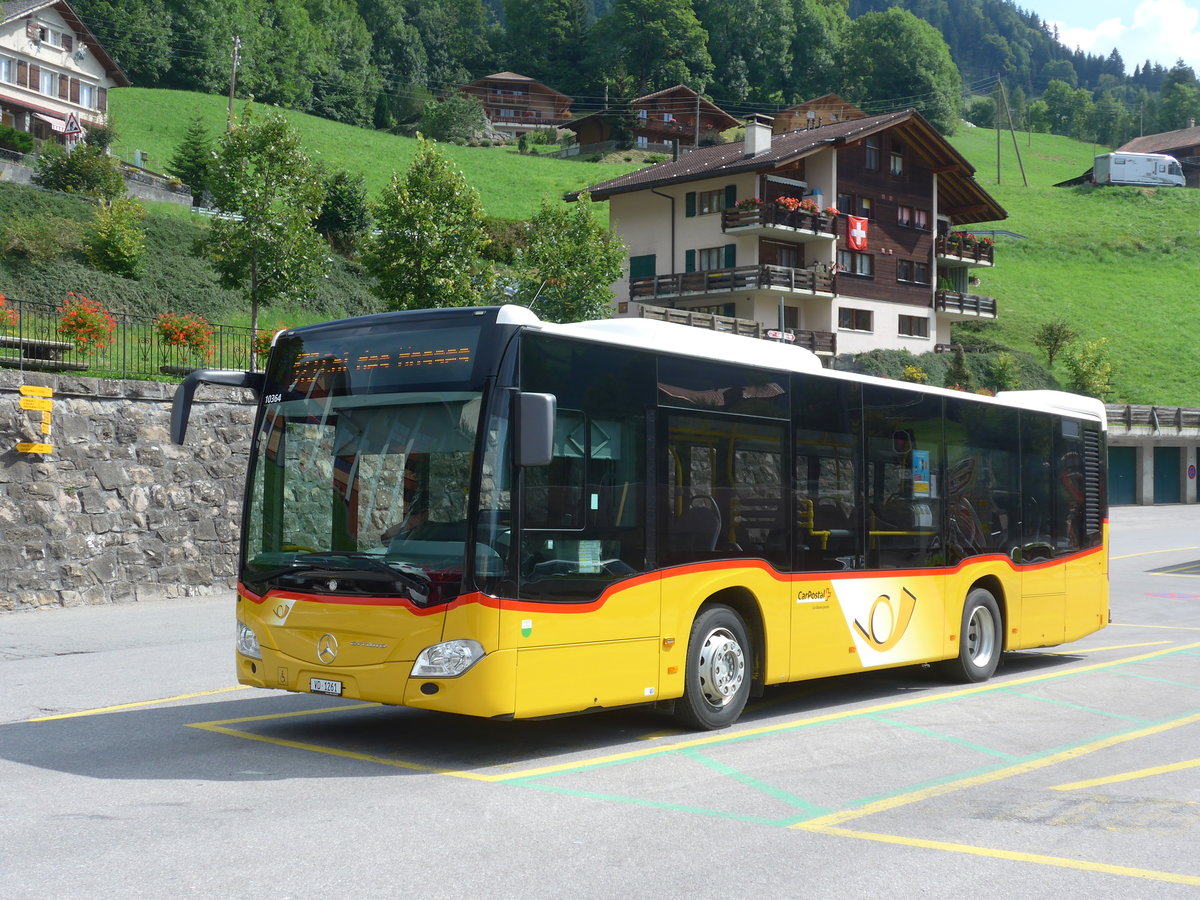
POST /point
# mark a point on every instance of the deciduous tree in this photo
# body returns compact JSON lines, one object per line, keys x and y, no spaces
{"x":430,"y":234}
{"x":566,"y":269}
{"x":263,"y":177}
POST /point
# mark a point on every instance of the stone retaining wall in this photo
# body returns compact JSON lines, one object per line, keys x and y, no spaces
{"x":117,"y":512}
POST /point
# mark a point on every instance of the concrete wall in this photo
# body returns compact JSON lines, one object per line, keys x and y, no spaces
{"x":116,"y":512}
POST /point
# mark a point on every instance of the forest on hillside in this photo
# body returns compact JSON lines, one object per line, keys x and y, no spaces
{"x":376,"y":63}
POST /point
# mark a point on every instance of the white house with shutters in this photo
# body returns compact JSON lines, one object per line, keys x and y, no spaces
{"x":52,"y":67}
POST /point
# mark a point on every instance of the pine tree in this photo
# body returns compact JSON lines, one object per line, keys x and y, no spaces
{"x":193,"y":158}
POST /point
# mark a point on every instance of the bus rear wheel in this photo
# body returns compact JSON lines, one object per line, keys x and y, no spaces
{"x":979,"y":641}
{"x":718,"y":676}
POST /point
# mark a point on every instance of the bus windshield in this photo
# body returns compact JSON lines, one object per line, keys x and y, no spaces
{"x":361,"y":468}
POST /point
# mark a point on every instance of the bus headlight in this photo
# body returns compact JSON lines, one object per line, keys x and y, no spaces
{"x":247,"y":641}
{"x":447,"y":660}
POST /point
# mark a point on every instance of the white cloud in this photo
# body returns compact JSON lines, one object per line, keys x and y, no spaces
{"x":1159,"y":30}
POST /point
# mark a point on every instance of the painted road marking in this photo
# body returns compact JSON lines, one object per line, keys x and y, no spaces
{"x":141,"y":704}
{"x":1152,"y":552}
{"x":709,"y":740}
{"x":1102,"y":649}
{"x":1129,"y":776}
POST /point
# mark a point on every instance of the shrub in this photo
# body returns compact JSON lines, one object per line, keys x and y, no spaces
{"x":12,"y":139}
{"x":261,"y":342}
{"x":40,"y":240}
{"x":116,"y":242}
{"x":86,"y":323}
{"x":85,"y":170}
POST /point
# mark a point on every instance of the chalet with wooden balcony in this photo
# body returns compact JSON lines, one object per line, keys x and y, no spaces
{"x":843,"y":235}
{"x":53,"y":70}
{"x":516,"y":104}
{"x":673,"y":117}
{"x":826,"y":110}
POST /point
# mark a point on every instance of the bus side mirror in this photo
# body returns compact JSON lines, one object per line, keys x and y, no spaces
{"x":181,"y":408}
{"x":535,"y":429}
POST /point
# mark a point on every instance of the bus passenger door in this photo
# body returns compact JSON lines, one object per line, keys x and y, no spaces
{"x":1043,"y":576}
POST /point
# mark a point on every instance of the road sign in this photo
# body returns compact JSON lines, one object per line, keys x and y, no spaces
{"x":33,"y":390}
{"x":34,"y":448}
{"x":72,"y":125}
{"x":37,"y":403}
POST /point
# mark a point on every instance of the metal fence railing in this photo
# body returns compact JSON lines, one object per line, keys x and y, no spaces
{"x":32,"y":338}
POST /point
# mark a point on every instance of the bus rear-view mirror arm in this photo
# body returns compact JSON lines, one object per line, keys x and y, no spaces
{"x":535,"y":429}
{"x":181,"y":408}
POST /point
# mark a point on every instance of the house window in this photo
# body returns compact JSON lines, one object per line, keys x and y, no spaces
{"x":643,"y":142}
{"x":905,"y":216}
{"x":642,"y":114}
{"x":710,"y":201}
{"x":6,"y":69}
{"x":896,"y":160}
{"x":47,"y":83}
{"x":855,"y":319}
{"x":856,"y":205}
{"x":921,"y":219}
{"x":710,"y":260}
{"x":856,"y":263}
{"x":912,"y":271}
{"x":872,"y":146}
{"x":914,"y":326}
{"x":921,"y":272}
{"x":507,"y":113}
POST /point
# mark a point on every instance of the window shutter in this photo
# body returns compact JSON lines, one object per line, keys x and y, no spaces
{"x":642,"y":266}
{"x":689,"y":203}
{"x":730,"y":256}
{"x":35,"y":77}
{"x":68,"y":42}
{"x":102,"y":99}
{"x":689,"y":261}
{"x":32,"y":29}
{"x":730,"y":196}
{"x":74,"y":90}
{"x":22,"y":73}
{"x":64,"y":87}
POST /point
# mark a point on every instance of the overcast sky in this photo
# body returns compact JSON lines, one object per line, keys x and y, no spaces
{"x":1161,"y":31}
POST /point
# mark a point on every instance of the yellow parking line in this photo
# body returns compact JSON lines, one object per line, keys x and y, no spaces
{"x":1152,"y":552}
{"x":1170,"y":627}
{"x":1024,"y":768}
{"x":1128,"y":776}
{"x":1100,"y":649}
{"x":140,"y":704}
{"x":1060,"y":861}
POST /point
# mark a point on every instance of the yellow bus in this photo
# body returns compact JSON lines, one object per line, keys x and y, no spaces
{"x":474,"y":511}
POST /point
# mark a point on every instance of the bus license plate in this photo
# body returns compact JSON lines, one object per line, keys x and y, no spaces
{"x":324,"y":686}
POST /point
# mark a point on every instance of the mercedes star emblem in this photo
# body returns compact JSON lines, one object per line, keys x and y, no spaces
{"x":327,"y":648}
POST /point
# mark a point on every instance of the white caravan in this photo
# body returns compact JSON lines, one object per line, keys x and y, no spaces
{"x":1153,"y":169}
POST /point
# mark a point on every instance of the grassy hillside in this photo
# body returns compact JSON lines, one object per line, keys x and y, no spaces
{"x":1120,"y":263}
{"x":510,"y":185}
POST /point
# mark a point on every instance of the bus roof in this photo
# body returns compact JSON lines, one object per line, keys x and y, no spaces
{"x":687,"y":340}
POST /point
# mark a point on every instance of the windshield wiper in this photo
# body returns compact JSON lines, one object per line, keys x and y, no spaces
{"x":307,"y":567}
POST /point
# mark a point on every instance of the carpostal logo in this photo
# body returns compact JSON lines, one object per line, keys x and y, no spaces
{"x":887,"y":620}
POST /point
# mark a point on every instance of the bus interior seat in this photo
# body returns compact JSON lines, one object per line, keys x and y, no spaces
{"x":699,"y":527}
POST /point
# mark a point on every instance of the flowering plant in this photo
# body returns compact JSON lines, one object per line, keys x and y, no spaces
{"x":86,"y":322}
{"x":789,"y":203}
{"x":750,"y":203}
{"x":190,"y":333}
{"x":261,"y":342}
{"x":9,"y":317}
{"x":832,"y":211}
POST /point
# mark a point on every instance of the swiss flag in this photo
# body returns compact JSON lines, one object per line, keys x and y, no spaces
{"x":856,"y":233}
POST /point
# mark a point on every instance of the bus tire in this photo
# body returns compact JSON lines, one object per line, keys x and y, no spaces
{"x":980,"y":641}
{"x":719,"y":670}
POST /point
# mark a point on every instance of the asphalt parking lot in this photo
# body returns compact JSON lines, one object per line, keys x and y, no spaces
{"x":132,"y":765}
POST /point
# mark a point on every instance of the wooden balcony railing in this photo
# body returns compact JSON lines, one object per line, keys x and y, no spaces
{"x":724,"y":281}
{"x":823,"y":342}
{"x":977,"y":252}
{"x":771,"y":215}
{"x":965,"y":304}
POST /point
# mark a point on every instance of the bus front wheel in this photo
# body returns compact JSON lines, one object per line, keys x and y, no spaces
{"x":718,"y":676}
{"x":980,"y":639}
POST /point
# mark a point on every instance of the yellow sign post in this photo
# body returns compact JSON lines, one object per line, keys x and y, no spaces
{"x":35,"y":397}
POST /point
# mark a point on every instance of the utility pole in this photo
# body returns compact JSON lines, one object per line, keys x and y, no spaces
{"x":237,"y":57}
{"x":1012,"y":131}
